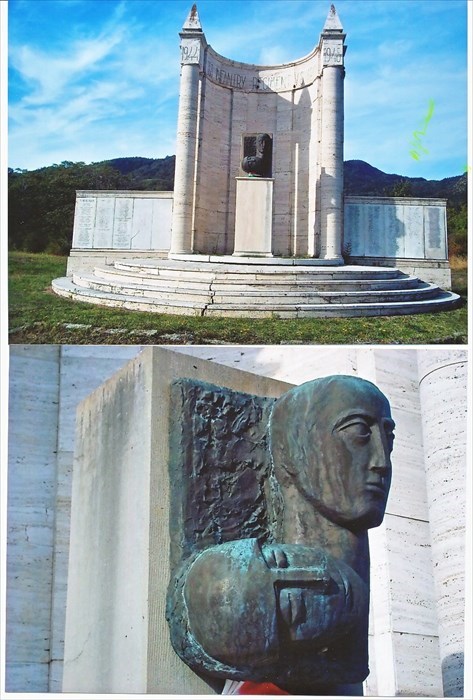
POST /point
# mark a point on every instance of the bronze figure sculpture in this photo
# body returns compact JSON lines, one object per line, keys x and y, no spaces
{"x":257,"y":155}
{"x":272,"y":502}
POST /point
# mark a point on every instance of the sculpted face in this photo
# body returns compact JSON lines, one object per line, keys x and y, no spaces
{"x":344,"y":465}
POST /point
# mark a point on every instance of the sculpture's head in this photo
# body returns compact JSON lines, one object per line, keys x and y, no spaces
{"x":263,"y":143}
{"x":332,"y":438}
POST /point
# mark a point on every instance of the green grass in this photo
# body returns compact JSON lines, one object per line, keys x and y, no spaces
{"x":39,"y":316}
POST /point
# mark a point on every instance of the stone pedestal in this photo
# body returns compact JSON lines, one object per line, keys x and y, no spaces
{"x":253,"y":218}
{"x":117,"y":638}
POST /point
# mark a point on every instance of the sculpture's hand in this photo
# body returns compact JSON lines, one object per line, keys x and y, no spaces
{"x":317,"y":596}
{"x":275,"y":556}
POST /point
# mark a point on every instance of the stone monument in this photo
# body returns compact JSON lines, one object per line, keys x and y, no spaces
{"x":257,"y":214}
{"x":254,"y":198}
{"x":300,"y":104}
{"x":270,"y":506}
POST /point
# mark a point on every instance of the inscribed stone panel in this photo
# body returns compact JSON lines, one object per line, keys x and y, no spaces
{"x":353,"y":238}
{"x":386,"y":221}
{"x":161,"y":226}
{"x":369,"y":228}
{"x":413,"y":231}
{"x":122,"y":223}
{"x":103,"y":236}
{"x":395,"y":239}
{"x":84,"y":219}
{"x":435,"y":234}
{"x":142,"y":224}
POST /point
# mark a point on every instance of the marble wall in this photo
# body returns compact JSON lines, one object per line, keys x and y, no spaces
{"x":46,"y":384}
{"x":34,"y":399}
{"x":407,"y":233}
{"x":442,"y":388}
{"x":396,"y":227}
{"x":122,"y":220}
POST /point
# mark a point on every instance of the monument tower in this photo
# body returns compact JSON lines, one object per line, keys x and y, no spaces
{"x":300,"y":106}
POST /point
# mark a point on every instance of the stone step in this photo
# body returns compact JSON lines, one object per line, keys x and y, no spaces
{"x":65,"y":287}
{"x":220,"y":283}
{"x":171,"y":291}
{"x":444,"y":302}
{"x":192,"y":271}
{"x":308,"y":298}
{"x":253,"y":308}
{"x":268,"y":295}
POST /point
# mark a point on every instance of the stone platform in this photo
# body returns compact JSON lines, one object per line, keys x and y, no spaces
{"x":254,"y":288}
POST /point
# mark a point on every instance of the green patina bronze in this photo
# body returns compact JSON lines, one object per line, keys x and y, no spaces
{"x":271,"y":503}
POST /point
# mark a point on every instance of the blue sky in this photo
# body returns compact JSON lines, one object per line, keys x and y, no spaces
{"x":97,"y":79}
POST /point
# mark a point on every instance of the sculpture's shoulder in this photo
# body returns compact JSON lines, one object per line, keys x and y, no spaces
{"x":289,"y":613}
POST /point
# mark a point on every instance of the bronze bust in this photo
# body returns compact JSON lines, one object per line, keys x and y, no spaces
{"x":285,"y":599}
{"x":257,"y":155}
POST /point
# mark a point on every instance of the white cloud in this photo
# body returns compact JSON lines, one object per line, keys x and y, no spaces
{"x":91,"y":93}
{"x":48,"y":74}
{"x":108,"y":84}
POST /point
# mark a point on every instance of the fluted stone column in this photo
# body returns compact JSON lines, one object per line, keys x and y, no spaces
{"x":331,"y":159}
{"x":192,"y":45}
{"x":443,"y":382}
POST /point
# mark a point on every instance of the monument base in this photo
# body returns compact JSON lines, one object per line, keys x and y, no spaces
{"x":255,"y":288}
{"x":253,"y":217}
{"x":116,"y":637}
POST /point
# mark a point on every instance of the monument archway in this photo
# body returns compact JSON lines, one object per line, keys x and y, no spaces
{"x":300,"y":105}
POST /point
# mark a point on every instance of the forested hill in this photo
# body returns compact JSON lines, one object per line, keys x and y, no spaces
{"x":41,"y":202}
{"x":146,"y":173}
{"x":363,"y":179}
{"x":360,"y":178}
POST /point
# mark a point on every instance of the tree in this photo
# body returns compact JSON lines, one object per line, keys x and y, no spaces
{"x":457,"y":227}
{"x":402,"y":188}
{"x":42,"y":203}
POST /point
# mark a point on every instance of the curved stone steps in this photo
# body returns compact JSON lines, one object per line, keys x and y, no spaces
{"x":256,"y":296}
{"x":255,"y":291}
{"x":240,"y":283}
{"x":233,"y":272}
{"x":443,"y":302}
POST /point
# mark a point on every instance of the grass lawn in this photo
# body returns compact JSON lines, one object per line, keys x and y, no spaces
{"x":36,"y":315}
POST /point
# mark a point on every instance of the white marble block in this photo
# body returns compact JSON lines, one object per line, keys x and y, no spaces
{"x":117,"y":638}
{"x":254,"y":213}
{"x":122,"y":220}
{"x":396,"y":227}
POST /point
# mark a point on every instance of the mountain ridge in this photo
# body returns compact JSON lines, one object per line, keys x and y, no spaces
{"x":360,"y":177}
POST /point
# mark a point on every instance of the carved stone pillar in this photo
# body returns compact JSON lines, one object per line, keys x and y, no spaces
{"x":192,"y":44}
{"x":442,"y":381}
{"x":331,"y":161}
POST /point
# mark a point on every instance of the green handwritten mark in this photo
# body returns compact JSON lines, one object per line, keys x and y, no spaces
{"x":417,"y":144}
